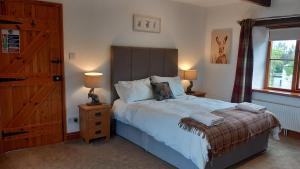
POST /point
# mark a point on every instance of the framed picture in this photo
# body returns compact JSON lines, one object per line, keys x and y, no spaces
{"x":143,"y":23}
{"x":221,"y":46}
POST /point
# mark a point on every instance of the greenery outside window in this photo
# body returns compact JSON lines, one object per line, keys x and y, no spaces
{"x":283,"y":66}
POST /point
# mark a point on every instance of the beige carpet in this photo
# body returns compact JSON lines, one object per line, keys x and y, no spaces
{"x":121,"y":154}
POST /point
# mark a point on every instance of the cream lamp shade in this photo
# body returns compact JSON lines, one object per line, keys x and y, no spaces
{"x":92,"y":79}
{"x":189,"y":75}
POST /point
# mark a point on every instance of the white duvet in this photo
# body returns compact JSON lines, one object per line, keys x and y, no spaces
{"x":160,"y":120}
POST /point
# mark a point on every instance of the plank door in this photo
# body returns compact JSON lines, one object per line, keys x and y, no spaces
{"x":31,"y":81}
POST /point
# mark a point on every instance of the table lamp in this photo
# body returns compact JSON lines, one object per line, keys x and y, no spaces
{"x":93,"y":80}
{"x":189,"y":75}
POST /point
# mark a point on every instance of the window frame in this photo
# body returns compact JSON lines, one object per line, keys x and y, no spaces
{"x":296,"y":74}
{"x":297,"y":68}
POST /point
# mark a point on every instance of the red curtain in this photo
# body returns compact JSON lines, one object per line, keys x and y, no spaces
{"x":242,"y":90}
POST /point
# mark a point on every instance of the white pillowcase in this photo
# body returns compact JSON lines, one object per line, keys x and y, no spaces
{"x":174,"y":82}
{"x":131,"y":91}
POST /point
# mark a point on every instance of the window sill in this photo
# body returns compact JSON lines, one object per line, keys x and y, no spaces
{"x":276,"y":92}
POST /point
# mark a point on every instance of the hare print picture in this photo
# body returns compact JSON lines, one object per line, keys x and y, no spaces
{"x":220,"y":46}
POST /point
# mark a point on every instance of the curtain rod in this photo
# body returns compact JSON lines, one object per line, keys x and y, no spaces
{"x":274,"y":18}
{"x":278,"y":17}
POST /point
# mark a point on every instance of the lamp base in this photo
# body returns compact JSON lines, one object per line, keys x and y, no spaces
{"x":189,"y":88}
{"x":95,"y":98}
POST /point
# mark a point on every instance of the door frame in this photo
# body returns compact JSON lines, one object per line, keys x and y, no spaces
{"x":63,"y":94}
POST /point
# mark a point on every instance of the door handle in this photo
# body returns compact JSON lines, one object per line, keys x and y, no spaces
{"x":56,"y":61}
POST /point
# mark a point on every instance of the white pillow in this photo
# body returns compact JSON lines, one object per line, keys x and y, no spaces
{"x":174,"y":82}
{"x":131,"y":91}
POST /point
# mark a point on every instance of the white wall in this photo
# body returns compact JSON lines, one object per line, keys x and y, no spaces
{"x":260,"y":46}
{"x":92,"y":26}
{"x":219,"y":79}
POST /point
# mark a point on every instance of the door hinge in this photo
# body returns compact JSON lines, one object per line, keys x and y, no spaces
{"x":14,"y":133}
{"x":7,"y":79}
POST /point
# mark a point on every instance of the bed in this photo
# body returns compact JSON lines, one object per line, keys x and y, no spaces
{"x":132,"y":63}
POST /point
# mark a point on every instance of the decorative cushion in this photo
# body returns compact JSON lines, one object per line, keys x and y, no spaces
{"x":162,"y":91}
{"x":174,"y":82}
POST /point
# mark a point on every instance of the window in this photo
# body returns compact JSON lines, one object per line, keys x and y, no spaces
{"x":283,"y":66}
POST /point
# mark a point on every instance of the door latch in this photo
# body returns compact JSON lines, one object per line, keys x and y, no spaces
{"x":57,"y":78}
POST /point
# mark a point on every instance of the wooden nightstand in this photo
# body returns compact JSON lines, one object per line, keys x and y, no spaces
{"x":94,"y":121}
{"x":197,"y":94}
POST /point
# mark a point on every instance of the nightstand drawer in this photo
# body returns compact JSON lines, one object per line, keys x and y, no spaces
{"x":96,"y":133}
{"x":99,"y":115}
{"x":95,"y":123}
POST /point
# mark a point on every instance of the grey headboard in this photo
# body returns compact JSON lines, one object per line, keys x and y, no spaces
{"x":133,"y":63}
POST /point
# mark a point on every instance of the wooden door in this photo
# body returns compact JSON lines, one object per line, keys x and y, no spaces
{"x":31,"y":85}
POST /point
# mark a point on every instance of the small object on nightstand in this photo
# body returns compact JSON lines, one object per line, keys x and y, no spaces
{"x":94,"y":121}
{"x":197,"y":94}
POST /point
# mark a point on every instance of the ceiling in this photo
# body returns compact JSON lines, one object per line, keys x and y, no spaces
{"x":207,"y":3}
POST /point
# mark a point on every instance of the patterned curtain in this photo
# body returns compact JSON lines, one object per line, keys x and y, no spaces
{"x":242,"y":90}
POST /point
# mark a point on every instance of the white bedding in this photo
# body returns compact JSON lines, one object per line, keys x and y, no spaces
{"x":160,"y":120}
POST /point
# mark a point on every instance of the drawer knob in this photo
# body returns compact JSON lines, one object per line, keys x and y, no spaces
{"x":98,"y":114}
{"x":98,"y":132}
{"x":98,"y":123}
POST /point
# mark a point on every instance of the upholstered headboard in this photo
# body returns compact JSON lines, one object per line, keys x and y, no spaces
{"x":133,"y":63}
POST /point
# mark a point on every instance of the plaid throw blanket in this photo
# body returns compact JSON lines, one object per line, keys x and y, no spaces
{"x":238,"y":127}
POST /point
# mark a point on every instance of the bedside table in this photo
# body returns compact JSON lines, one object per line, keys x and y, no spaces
{"x":197,"y":94}
{"x":94,"y":121}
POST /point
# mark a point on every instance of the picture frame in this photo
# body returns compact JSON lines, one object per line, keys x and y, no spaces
{"x":142,"y":23}
{"x":221,"y":42}
{"x":10,"y":40}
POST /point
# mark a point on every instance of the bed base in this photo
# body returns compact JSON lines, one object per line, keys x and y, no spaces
{"x":148,"y":143}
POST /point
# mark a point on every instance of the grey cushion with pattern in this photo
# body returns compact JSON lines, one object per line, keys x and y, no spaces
{"x":162,"y":91}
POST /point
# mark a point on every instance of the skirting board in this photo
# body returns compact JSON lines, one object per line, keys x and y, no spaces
{"x":73,"y":136}
{"x":289,"y":133}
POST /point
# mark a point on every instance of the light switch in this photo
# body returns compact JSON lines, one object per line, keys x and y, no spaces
{"x":72,"y":56}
